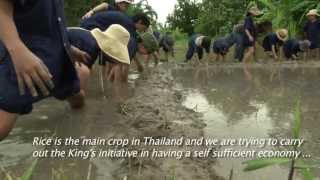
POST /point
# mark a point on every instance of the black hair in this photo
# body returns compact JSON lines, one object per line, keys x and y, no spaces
{"x":206,"y":43}
{"x":143,"y":18}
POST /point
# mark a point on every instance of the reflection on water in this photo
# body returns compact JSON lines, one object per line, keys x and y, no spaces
{"x":254,"y":102}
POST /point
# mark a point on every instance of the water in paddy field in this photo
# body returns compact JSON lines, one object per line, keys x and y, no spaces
{"x":254,"y":102}
{"x":55,"y":118}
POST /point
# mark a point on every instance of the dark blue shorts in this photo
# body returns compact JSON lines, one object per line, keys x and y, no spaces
{"x":64,"y":75}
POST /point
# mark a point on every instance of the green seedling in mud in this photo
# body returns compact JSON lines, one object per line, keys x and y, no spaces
{"x":27,"y":175}
{"x":299,"y":164}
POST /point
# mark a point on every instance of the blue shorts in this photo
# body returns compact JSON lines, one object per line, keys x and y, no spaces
{"x":62,"y":69}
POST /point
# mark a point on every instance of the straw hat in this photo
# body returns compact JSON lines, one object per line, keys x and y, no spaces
{"x":313,"y":12}
{"x":114,"y":42}
{"x":255,"y":11}
{"x":127,"y":1}
{"x":282,"y":34}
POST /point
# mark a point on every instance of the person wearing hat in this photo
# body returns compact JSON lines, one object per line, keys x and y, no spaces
{"x":119,"y":5}
{"x":98,"y":42}
{"x":35,"y":58}
{"x":250,"y":32}
{"x":292,"y":47}
{"x":198,"y":43}
{"x":312,"y":30}
{"x":273,"y":41}
{"x":138,"y":23}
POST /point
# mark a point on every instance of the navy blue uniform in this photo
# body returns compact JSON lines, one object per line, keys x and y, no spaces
{"x":103,"y":20}
{"x":271,"y":40}
{"x":84,"y":40}
{"x":157,"y":35}
{"x":250,"y":26}
{"x":166,"y":43}
{"x":291,"y":47}
{"x":41,"y":27}
{"x":312,"y":31}
{"x":222,"y":45}
{"x":194,"y":48}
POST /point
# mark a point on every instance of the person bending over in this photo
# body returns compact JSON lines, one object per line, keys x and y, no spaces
{"x":36,"y":58}
{"x":198,"y":43}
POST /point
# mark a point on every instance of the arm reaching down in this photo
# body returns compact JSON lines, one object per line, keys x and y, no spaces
{"x":30,"y":70}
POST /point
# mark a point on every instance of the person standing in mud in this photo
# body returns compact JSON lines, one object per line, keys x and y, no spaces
{"x":198,"y":43}
{"x":35,"y":59}
{"x":312,"y":32}
{"x":292,"y":47}
{"x":119,"y":5}
{"x":250,"y":33}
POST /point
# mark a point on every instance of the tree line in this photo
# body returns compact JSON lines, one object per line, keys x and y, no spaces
{"x":217,"y":17}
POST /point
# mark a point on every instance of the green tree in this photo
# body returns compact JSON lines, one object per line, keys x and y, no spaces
{"x":218,"y":17}
{"x":185,"y":15}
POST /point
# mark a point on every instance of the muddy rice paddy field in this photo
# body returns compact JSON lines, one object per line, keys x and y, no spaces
{"x":222,"y":100}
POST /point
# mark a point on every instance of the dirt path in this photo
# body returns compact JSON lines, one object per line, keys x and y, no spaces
{"x":155,"y":110}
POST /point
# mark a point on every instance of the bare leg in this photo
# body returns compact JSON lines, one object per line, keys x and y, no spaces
{"x":248,"y":55}
{"x":138,"y":64}
{"x":7,"y":122}
{"x":156,"y":57}
{"x":84,"y":75}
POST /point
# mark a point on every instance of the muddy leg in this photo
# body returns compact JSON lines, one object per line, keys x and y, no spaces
{"x":7,"y":122}
{"x":138,"y":64}
{"x":156,"y":56}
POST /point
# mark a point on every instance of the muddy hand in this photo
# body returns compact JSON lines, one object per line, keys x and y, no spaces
{"x":31,"y":72}
{"x":79,"y":56}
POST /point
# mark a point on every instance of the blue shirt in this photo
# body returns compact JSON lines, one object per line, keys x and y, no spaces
{"x":313,"y":33}
{"x":271,"y":40}
{"x":291,"y":47}
{"x":41,"y":24}
{"x":84,"y":40}
{"x":157,"y":35}
{"x":250,"y":26}
{"x":222,"y":45}
{"x":103,"y":20}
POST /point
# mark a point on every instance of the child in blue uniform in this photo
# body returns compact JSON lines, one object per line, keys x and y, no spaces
{"x":167,"y":44}
{"x":222,"y":45}
{"x":250,"y":33}
{"x":293,"y":47}
{"x":198,"y":43}
{"x":273,"y":41}
{"x":94,"y":45}
{"x":35,"y":58}
{"x":312,"y":32}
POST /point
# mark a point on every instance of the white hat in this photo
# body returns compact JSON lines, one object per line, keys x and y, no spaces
{"x":313,"y":12}
{"x":114,"y":42}
{"x":127,"y":1}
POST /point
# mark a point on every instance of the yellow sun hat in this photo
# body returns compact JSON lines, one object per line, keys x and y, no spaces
{"x":313,"y":12}
{"x":114,"y":42}
{"x":282,"y":34}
